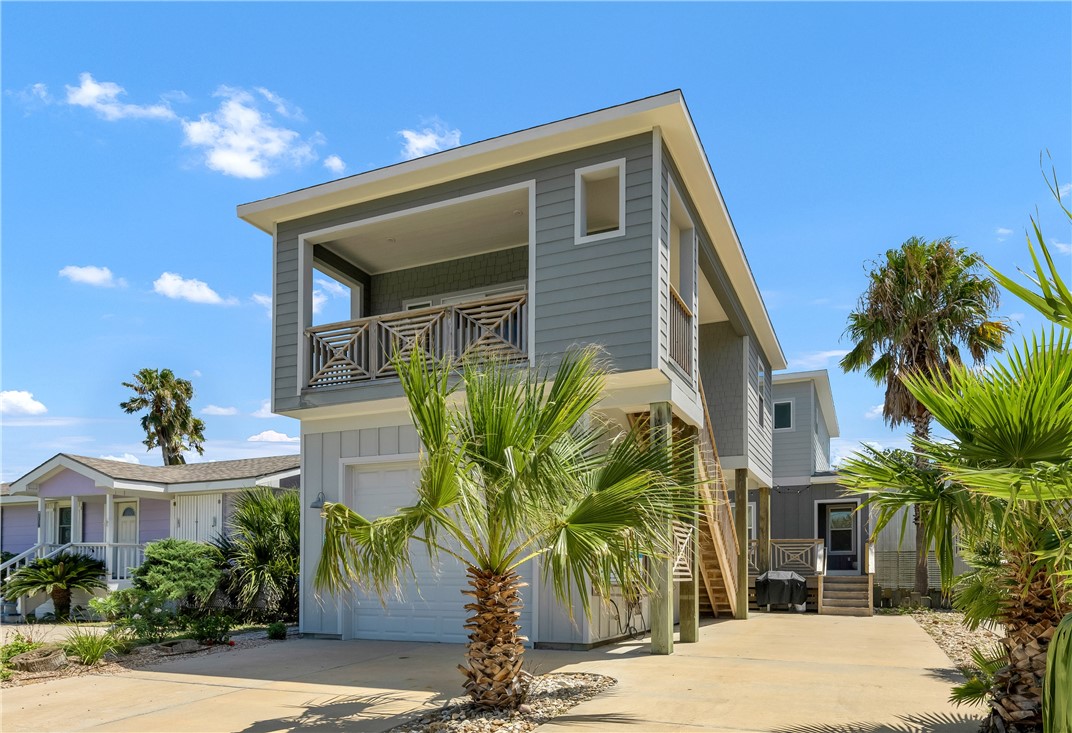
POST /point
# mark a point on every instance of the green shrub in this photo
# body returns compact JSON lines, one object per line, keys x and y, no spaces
{"x":277,"y":630}
{"x":89,"y":647}
{"x":58,"y":576}
{"x":211,"y":629}
{"x":179,"y":570}
{"x":107,"y":607}
{"x":19,"y":644}
{"x":148,"y":617}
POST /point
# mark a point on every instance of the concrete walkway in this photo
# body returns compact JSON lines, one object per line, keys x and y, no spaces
{"x":774,"y":673}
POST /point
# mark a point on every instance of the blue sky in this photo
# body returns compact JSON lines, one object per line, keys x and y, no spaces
{"x":130,"y":133}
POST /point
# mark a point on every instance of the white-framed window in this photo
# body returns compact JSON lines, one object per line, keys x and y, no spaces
{"x":783,"y":415}
{"x":599,"y":201}
{"x":750,"y":522}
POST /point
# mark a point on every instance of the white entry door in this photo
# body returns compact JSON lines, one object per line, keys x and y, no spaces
{"x":198,"y":517}
{"x":126,"y":522}
{"x":433,"y":608}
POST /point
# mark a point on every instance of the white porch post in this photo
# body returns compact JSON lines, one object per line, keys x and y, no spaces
{"x":109,"y":534}
{"x":40,"y":520}
{"x":76,"y":520}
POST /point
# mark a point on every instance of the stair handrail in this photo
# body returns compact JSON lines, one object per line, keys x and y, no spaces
{"x":19,"y":561}
{"x":716,"y":505}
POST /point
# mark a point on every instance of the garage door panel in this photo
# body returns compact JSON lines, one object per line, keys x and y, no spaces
{"x":432,"y":609}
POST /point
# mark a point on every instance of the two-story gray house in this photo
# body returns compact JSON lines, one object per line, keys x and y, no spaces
{"x":604,"y":228}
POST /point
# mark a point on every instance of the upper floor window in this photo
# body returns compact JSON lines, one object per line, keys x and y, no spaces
{"x":783,"y":415}
{"x":599,"y":201}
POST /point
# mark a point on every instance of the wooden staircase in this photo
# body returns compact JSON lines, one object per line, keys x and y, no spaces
{"x":847,"y":595}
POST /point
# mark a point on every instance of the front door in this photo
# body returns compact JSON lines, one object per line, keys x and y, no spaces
{"x":126,"y":522}
{"x":838,"y":523}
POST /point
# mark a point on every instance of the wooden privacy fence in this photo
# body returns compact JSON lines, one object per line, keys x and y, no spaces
{"x":362,"y":350}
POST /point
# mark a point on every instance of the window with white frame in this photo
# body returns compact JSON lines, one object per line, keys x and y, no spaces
{"x":783,"y":415}
{"x":750,"y":521}
{"x":599,"y":201}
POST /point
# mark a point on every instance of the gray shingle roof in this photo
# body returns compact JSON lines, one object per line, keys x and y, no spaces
{"x":251,"y":468}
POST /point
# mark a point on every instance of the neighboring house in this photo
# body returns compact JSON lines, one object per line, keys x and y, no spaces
{"x":606,"y":228}
{"x":110,"y":509}
{"x":806,"y":522}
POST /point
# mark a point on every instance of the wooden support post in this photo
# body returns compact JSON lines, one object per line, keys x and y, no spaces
{"x":109,"y":529}
{"x":740,"y":521}
{"x":763,"y":555}
{"x":76,"y":520}
{"x":662,"y":569}
{"x":689,"y":591}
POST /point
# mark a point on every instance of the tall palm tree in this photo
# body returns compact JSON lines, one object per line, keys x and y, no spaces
{"x":518,"y":469}
{"x":1011,"y":426}
{"x":168,"y":423}
{"x":57,"y":576}
{"x":924,"y":303}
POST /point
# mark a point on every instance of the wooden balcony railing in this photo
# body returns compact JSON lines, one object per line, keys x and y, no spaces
{"x":362,"y":350}
{"x":680,"y":332}
{"x":804,"y":557}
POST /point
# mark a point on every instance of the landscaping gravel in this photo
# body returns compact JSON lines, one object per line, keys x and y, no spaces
{"x":949,"y":632}
{"x":550,"y":696}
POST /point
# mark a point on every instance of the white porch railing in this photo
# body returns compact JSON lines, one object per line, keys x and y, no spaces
{"x":362,"y":350}
{"x":121,"y":558}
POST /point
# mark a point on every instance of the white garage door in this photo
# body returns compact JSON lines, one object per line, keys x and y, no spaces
{"x":198,"y":517}
{"x":436,"y":611}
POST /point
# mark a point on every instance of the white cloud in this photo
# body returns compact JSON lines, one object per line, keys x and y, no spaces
{"x":333,"y":288}
{"x":34,"y":95}
{"x":272,"y":436}
{"x":433,"y":137}
{"x":100,"y":277}
{"x":319,"y":298}
{"x":815,"y":359}
{"x":1065,"y":189}
{"x":20,"y":402}
{"x":195,"y":373}
{"x":176,"y":286}
{"x":103,"y":98}
{"x":842,"y":448}
{"x":1002,"y":232}
{"x":217,"y":410}
{"x":265,"y":410}
{"x":125,"y":458}
{"x":874,"y":413}
{"x":282,"y":106}
{"x":1062,"y":247}
{"x":239,"y":140}
{"x":334,"y":164}
{"x":265,"y":301}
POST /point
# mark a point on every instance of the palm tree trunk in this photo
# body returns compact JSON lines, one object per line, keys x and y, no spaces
{"x":1030,"y":613}
{"x":921,"y":428}
{"x":61,"y":603}
{"x":493,"y":677}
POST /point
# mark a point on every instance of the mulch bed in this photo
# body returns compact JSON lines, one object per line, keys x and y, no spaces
{"x":550,"y":696}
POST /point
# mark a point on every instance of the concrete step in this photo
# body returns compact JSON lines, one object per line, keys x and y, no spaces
{"x":833,"y":611}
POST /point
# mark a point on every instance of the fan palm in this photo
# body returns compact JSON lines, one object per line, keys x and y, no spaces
{"x":517,"y":470}
{"x":169,"y":422}
{"x":261,"y":550}
{"x":923,"y":304}
{"x":57,"y":576}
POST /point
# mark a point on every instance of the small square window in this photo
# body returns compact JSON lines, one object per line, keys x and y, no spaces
{"x":600,"y":201}
{"x":783,"y":415}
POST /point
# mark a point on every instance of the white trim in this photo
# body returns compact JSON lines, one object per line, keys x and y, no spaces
{"x":580,"y":204}
{"x":532,"y":273}
{"x":857,"y":532}
{"x":517,"y":286}
{"x":752,"y":516}
{"x":345,"y":463}
{"x":792,"y":414}
{"x":275,"y":307}
{"x":656,"y":238}
{"x":305,"y":308}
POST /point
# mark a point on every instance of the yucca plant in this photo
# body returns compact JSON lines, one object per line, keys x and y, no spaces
{"x":1057,"y":690}
{"x":57,"y":576}
{"x":514,"y":469}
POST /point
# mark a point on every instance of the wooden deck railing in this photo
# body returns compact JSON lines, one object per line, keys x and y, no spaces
{"x":362,"y":350}
{"x":716,"y":499}
{"x":680,"y":332}
{"x":753,"y":556}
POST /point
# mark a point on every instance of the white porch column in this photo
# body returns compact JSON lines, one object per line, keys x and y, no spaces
{"x":109,"y":532}
{"x":76,"y":520}
{"x":40,"y":520}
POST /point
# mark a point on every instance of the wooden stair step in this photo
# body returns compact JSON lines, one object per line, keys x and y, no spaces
{"x":844,"y":595}
{"x":834,"y":611}
{"x":845,"y":603}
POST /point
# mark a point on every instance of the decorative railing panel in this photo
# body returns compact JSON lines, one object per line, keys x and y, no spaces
{"x":753,"y":556}
{"x":806,"y":557}
{"x":363,"y":350}
{"x":680,"y":332}
{"x":683,"y":544}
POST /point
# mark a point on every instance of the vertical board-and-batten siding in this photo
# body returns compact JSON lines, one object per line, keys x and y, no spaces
{"x":793,"y":449}
{"x":322,"y":454}
{"x":597,"y":292}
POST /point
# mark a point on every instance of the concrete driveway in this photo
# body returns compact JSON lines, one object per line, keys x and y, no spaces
{"x":773,"y":673}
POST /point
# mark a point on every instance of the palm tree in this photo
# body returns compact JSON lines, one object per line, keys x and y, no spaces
{"x":923,"y":304}
{"x":1011,"y":426}
{"x":262,"y":549}
{"x":517,"y":470}
{"x":169,"y":422}
{"x":57,"y":576}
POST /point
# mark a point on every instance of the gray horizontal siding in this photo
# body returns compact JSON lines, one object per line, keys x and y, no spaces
{"x":591,"y":293}
{"x":793,"y":449}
